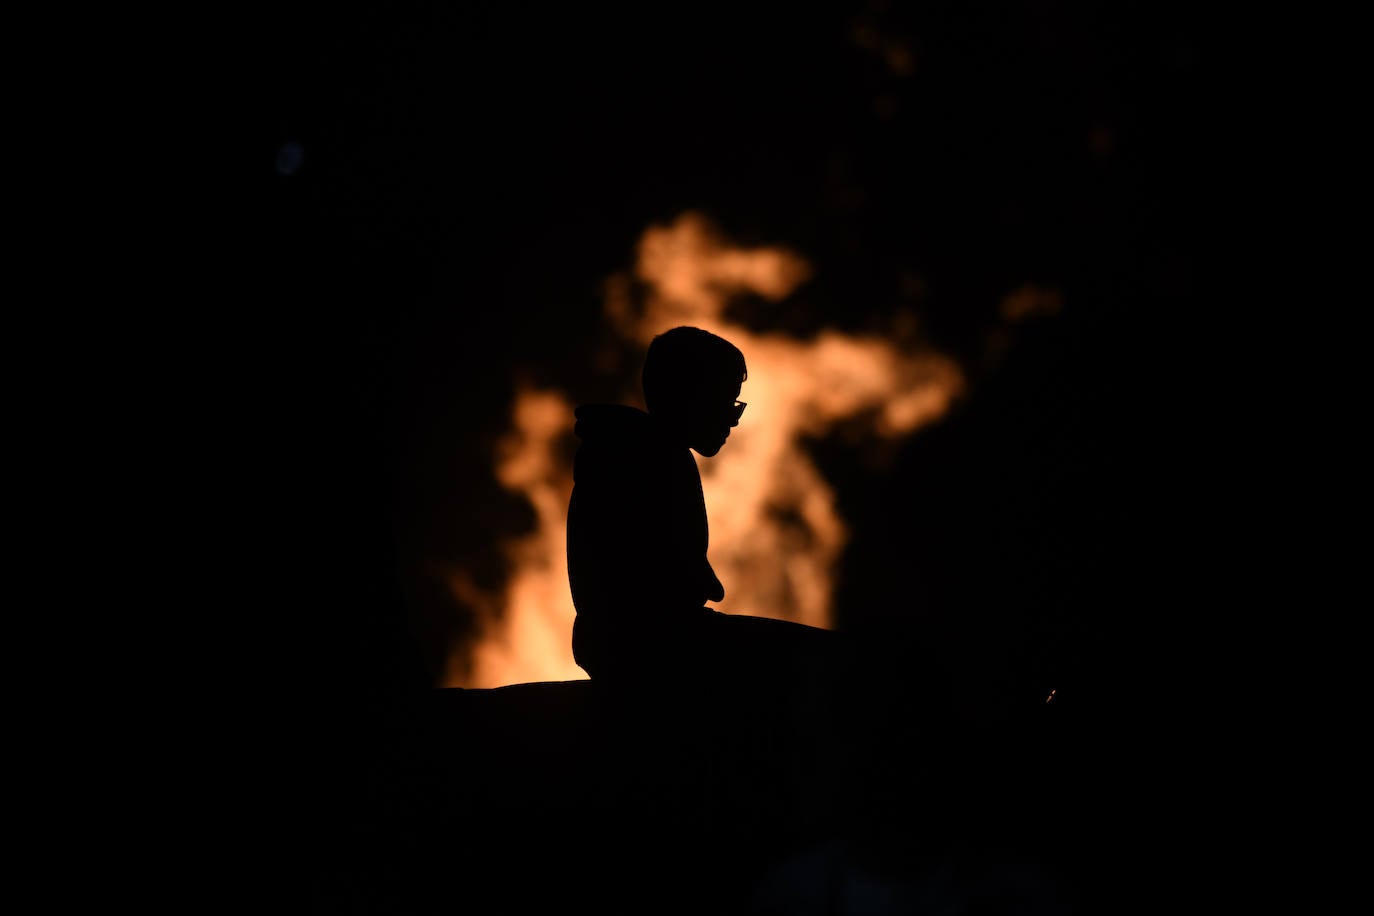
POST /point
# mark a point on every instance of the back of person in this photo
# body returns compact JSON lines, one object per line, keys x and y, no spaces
{"x":637,"y":539}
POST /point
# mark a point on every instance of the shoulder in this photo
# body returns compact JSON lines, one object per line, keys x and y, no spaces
{"x":614,"y":440}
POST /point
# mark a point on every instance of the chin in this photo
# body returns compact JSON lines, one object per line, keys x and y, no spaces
{"x":708,"y":450}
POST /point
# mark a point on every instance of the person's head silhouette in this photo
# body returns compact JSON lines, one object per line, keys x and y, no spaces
{"x":692,"y":382}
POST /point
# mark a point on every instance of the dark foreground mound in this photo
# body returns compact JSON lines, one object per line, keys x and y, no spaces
{"x":554,"y":796}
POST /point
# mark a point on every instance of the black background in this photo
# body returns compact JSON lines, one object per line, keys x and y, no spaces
{"x":470,"y":175}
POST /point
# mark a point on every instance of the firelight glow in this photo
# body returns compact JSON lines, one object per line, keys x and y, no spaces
{"x":776,"y":537}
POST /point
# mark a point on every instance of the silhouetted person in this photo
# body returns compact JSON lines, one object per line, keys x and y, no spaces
{"x":638,"y":534}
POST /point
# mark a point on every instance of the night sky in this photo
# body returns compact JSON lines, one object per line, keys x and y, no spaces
{"x":440,"y":190}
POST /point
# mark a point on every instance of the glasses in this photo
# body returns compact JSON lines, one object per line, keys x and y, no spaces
{"x":739,"y":408}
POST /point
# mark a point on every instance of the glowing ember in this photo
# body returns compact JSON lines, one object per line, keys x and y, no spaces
{"x":775,"y":534}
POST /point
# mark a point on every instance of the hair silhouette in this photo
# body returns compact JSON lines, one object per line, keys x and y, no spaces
{"x":684,"y":362}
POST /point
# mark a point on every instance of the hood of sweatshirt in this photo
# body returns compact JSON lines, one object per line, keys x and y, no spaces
{"x":609,"y":423}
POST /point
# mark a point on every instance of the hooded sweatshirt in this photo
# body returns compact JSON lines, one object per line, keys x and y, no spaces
{"x":637,"y":531}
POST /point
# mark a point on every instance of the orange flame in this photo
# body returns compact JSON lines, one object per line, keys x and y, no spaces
{"x":775,"y":534}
